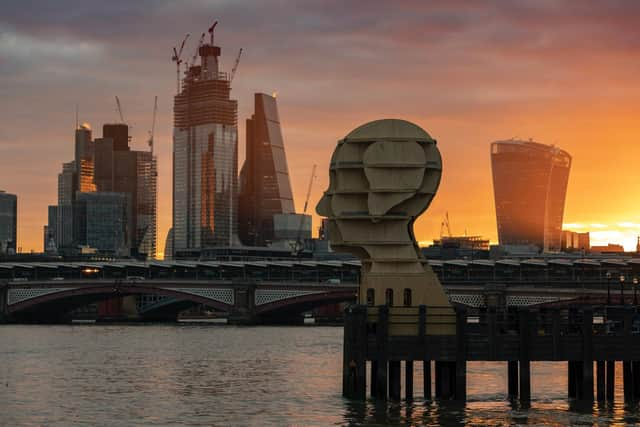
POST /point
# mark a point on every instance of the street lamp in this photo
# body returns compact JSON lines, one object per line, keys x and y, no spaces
{"x":608,"y":287}
{"x":635,"y":291}
{"x":622,"y":278}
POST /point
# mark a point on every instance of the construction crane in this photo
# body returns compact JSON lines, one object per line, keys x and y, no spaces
{"x":211,"y":29}
{"x":119,"y":107}
{"x":177,"y":58}
{"x":153,"y":124}
{"x":235,"y":66}
{"x":299,"y":245}
{"x":195,"y":54}
{"x":445,"y":224}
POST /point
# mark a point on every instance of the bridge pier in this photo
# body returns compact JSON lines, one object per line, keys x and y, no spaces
{"x":244,"y":310}
{"x":4,"y":316}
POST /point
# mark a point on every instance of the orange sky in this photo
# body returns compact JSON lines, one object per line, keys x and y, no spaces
{"x":469,"y":75}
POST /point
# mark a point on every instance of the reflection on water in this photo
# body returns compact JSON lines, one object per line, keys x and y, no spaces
{"x":222,"y":375}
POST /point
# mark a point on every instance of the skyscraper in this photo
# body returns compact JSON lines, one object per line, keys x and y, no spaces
{"x":67,"y":187}
{"x":8,"y":223}
{"x":530,"y":185}
{"x":108,"y":165}
{"x":205,"y":156}
{"x":265,"y":189}
{"x":100,"y":221}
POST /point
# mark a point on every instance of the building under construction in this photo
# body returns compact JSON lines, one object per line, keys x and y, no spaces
{"x":205,"y":154}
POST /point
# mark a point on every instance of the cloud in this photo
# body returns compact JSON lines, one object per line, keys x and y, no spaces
{"x":469,"y":71}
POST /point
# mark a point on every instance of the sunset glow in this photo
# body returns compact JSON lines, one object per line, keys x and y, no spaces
{"x":478,"y":76}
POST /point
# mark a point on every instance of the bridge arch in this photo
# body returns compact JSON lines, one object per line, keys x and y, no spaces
{"x":47,"y":304}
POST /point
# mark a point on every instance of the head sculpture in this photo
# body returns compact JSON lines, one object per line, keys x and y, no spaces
{"x":383,"y":175}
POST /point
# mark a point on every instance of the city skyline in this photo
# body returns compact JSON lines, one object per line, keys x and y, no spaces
{"x":466,"y":78}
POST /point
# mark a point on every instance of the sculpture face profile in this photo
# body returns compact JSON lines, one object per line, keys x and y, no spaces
{"x":383,"y":175}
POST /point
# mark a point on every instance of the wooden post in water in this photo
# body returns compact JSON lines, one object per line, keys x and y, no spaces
{"x":394,"y":379}
{"x":587,"y":355}
{"x":512,"y":378}
{"x":360,"y":352}
{"x":627,"y":380}
{"x":374,"y":376}
{"x":382,"y":335}
{"x":426,"y":367}
{"x":600,"y":382}
{"x":572,"y":379}
{"x":525,"y":362}
{"x":611,"y":378}
{"x":408,"y":379}
{"x":426,"y":363}
{"x":438,"y":380}
{"x":627,"y":375}
{"x":347,"y":353}
{"x":445,"y":380}
{"x":635,"y":370}
{"x":460,"y":378}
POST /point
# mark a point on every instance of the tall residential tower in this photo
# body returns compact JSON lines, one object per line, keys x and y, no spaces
{"x":205,"y":156}
{"x":530,"y":185}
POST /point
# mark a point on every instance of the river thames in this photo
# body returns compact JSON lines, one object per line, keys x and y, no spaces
{"x":205,"y":375}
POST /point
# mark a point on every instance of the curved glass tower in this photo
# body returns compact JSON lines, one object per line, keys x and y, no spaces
{"x":530,"y":184}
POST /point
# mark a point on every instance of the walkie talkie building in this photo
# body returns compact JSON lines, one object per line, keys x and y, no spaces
{"x":530,"y":184}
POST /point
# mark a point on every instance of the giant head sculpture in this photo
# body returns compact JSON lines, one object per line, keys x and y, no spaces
{"x":383,"y":175}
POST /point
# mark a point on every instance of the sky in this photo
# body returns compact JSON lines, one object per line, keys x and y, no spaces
{"x":469,"y":72}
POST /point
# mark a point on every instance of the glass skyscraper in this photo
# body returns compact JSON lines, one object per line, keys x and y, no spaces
{"x":8,"y":223}
{"x":205,"y":157}
{"x":530,"y":185}
{"x":265,"y":189}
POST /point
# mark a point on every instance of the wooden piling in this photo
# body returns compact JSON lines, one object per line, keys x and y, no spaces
{"x":382,"y":334}
{"x":394,"y":379}
{"x":572,"y":379}
{"x":600,"y":381}
{"x":460,"y":366}
{"x":426,"y":367}
{"x":445,"y":380}
{"x":611,"y":379}
{"x":374,"y":376}
{"x":438,"y":379}
{"x":512,"y":378}
{"x":587,"y":355}
{"x":408,"y":379}
{"x":525,"y":363}
{"x":635,"y":371}
{"x":627,"y":381}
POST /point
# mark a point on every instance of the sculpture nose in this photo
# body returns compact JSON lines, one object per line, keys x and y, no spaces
{"x":323,"y":208}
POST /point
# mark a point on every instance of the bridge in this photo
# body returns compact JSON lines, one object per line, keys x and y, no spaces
{"x":270,"y":290}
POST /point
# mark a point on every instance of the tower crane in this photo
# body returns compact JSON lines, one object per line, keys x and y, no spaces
{"x":195,"y":54}
{"x":177,"y":54}
{"x":119,"y":107}
{"x":298,"y":245}
{"x":235,"y":66}
{"x":445,"y":224}
{"x":211,"y":29}
{"x":153,"y":124}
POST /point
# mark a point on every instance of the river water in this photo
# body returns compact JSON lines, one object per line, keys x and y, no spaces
{"x":167,"y":375}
